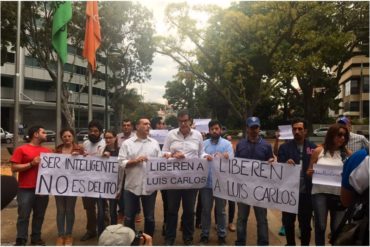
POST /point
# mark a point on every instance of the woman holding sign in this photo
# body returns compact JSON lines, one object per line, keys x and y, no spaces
{"x":325,"y":198}
{"x":111,"y":149}
{"x":66,"y":204}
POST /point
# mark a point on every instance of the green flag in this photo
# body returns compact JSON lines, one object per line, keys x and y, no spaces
{"x":62,"y":15}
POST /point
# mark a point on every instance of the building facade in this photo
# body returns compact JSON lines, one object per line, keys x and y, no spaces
{"x":38,"y":94}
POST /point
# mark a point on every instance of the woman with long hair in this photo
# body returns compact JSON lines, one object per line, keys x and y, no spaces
{"x":66,"y":204}
{"x":111,"y":149}
{"x":326,"y":199}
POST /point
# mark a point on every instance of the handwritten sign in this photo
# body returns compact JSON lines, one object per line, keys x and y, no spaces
{"x":285,"y":132}
{"x":327,"y":175}
{"x":257,"y":183}
{"x":202,"y":125}
{"x":62,"y":174}
{"x":159,"y":135}
{"x":164,"y":173}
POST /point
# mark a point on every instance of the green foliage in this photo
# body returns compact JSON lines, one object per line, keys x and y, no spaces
{"x":172,"y":121}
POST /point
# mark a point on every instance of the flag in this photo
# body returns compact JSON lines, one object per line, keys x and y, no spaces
{"x":62,"y":15}
{"x":92,"y":33}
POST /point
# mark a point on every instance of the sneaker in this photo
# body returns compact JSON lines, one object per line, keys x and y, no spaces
{"x":188,"y":242}
{"x":282,"y":231}
{"x":38,"y":242}
{"x":203,"y":240}
{"x":232,"y":227}
{"x":221,"y":241}
{"x":60,"y":241}
{"x":138,"y":218}
{"x":20,"y":242}
{"x":87,"y":236}
{"x":68,"y":241}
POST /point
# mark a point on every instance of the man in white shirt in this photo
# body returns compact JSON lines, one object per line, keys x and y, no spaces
{"x":180,"y":143}
{"x":132,"y":157}
{"x":126,"y":133}
{"x":93,"y":146}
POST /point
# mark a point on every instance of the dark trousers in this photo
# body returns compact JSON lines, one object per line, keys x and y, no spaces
{"x":165,"y":204}
{"x":90,"y":207}
{"x":231,"y":212}
{"x":102,"y":204}
{"x":198,"y":211}
{"x":304,"y":220}
{"x":188,"y":202}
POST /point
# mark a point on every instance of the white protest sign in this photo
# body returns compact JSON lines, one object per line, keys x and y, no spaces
{"x":202,"y":124}
{"x":67,"y":175}
{"x":330,"y":176}
{"x":167,"y":174}
{"x":285,"y":132}
{"x":257,"y":183}
{"x":159,"y":135}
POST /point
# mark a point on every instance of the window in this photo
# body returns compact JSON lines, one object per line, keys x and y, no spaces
{"x":365,"y":86}
{"x":30,"y":61}
{"x":355,"y":87}
{"x":354,"y":106}
{"x":68,"y":67}
{"x":365,"y":108}
{"x":10,"y":57}
{"x":37,"y":85}
{"x":347,"y":88}
{"x":71,"y":49}
{"x":7,"y":81}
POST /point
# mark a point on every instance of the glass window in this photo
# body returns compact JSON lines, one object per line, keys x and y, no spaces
{"x":7,"y":81}
{"x":30,"y":61}
{"x":354,"y":87}
{"x":347,"y":88}
{"x":365,"y":86}
{"x":365,"y":108}
{"x":68,"y":67}
{"x":37,"y":85}
{"x":354,"y":106}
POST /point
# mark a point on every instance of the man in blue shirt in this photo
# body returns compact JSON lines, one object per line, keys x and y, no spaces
{"x":298,"y":152}
{"x":221,"y":148}
{"x":253,"y":147}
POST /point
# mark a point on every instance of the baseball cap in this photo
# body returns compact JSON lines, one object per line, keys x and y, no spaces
{"x":253,"y":121}
{"x":117,"y":235}
{"x":344,"y":120}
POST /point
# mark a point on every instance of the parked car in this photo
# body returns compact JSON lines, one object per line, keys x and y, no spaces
{"x":6,"y":136}
{"x":50,"y":135}
{"x":82,"y":135}
{"x":321,"y":131}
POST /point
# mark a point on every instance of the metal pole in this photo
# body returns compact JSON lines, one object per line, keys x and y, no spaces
{"x":58,"y":102}
{"x":90,"y":111}
{"x":17,"y":77}
{"x":106,"y":95}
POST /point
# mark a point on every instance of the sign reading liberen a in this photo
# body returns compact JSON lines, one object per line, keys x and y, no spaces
{"x":67,"y":175}
{"x":164,"y":173}
{"x":257,"y":183}
{"x":327,"y":175}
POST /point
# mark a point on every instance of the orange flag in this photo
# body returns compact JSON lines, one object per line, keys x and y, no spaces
{"x":92,"y":33}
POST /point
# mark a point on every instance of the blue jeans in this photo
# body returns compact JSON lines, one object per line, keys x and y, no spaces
{"x":188,"y":202}
{"x":262,"y":225}
{"x":28,"y":201}
{"x":322,"y":204}
{"x":132,"y":203}
{"x":101,"y":213}
{"x":65,"y":214}
{"x":207,"y":205}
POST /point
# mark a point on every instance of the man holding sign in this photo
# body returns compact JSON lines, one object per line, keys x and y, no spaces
{"x":132,"y":157}
{"x":298,"y":152}
{"x":253,"y":147}
{"x":25,"y":161}
{"x":180,"y":143}
{"x":222,"y":148}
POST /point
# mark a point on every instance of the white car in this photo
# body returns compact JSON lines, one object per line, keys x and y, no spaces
{"x":321,"y":131}
{"x":6,"y":136}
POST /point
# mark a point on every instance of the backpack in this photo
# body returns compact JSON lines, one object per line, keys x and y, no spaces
{"x":354,"y":227}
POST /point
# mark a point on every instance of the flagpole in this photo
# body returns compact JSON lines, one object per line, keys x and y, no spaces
{"x":90,"y":111}
{"x":59,"y":102}
{"x":17,"y":77}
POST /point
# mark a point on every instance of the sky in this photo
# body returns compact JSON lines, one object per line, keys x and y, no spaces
{"x":163,"y":67}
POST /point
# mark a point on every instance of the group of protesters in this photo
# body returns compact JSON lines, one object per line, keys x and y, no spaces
{"x":133,"y":149}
